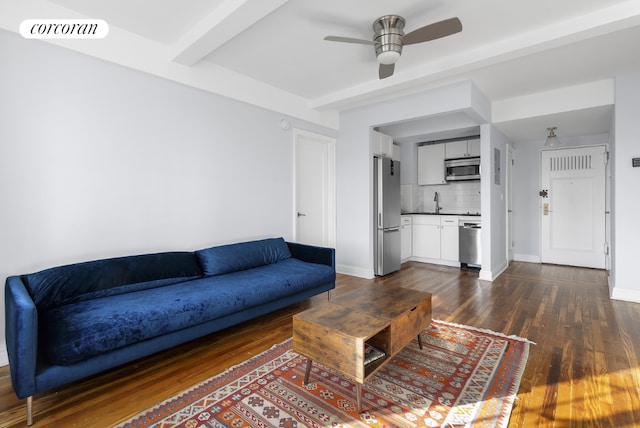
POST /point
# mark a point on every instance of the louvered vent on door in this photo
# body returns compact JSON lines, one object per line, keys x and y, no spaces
{"x":570,"y":163}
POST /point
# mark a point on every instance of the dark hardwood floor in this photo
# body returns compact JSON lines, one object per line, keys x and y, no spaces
{"x":583,"y":370}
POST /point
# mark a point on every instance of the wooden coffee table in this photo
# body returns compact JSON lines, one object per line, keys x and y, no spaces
{"x":336,"y":333}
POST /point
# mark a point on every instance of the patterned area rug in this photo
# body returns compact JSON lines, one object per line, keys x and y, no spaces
{"x":462,"y":377}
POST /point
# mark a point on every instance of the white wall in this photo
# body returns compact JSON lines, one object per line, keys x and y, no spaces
{"x":625,"y":203}
{"x":97,"y":160}
{"x":493,"y":202}
{"x":354,"y":250}
{"x":526,"y":201}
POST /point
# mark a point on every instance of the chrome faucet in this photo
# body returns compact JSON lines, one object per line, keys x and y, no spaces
{"x":437,"y":199}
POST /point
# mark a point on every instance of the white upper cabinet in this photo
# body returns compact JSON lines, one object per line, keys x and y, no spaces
{"x":455,"y":149}
{"x":462,"y":149}
{"x":431,"y":164}
{"x":396,"y":152}
{"x":473,"y":147}
{"x":383,"y":145}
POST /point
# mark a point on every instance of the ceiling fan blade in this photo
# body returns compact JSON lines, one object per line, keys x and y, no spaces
{"x":433,"y":31}
{"x":386,"y":70}
{"x":348,"y":40}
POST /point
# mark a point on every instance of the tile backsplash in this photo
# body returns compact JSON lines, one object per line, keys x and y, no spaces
{"x":455,"y":197}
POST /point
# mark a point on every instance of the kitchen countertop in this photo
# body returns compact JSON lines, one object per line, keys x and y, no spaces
{"x":476,"y":214}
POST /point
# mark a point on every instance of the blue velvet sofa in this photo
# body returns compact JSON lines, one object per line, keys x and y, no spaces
{"x":70,"y":322}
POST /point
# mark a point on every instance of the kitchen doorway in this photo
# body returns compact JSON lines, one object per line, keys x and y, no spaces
{"x":572,"y":206}
{"x":314,"y":189}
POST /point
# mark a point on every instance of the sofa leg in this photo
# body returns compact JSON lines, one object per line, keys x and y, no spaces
{"x":329,"y":295}
{"x":30,"y":410}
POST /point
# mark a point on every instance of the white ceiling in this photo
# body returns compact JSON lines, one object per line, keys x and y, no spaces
{"x":275,"y":49}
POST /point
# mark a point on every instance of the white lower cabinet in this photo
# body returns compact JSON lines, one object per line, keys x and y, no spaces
{"x":405,"y":238}
{"x":449,"y":238}
{"x":435,"y":239}
{"x":426,"y":236}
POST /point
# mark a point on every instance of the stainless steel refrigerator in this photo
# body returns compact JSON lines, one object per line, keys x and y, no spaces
{"x":386,"y":209}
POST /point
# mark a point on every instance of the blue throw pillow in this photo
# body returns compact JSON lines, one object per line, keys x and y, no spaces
{"x":245,"y":255}
{"x":64,"y":284}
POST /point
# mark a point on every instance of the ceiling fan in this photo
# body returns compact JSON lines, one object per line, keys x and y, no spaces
{"x":389,"y":38}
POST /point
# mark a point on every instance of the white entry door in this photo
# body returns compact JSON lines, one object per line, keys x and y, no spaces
{"x":572,"y":206}
{"x":314,"y":189}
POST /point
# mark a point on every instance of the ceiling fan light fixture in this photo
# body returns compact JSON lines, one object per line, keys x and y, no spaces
{"x":552,"y":139}
{"x":389,"y":38}
{"x":388,"y":57}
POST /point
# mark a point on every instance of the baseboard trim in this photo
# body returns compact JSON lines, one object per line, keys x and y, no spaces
{"x":440,"y":262}
{"x":4,"y":356}
{"x":625,"y":294}
{"x":355,"y":271}
{"x":485,"y":275}
{"x":529,"y":258}
{"x":501,"y":270}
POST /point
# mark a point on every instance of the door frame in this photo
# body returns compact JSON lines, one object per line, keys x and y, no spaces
{"x":509,"y":215}
{"x":329,"y":214}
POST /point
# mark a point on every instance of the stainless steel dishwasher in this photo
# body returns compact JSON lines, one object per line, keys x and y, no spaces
{"x":469,"y":242}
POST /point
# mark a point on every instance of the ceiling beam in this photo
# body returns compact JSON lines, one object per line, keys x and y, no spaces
{"x":227,"y":21}
{"x":587,"y":95}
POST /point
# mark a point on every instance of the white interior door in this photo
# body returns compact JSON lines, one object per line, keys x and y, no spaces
{"x":314,"y":189}
{"x":572,"y":206}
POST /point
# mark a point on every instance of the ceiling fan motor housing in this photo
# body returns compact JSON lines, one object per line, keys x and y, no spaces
{"x":388,"y":38}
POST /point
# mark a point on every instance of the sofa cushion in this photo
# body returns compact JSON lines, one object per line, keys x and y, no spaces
{"x":79,"y":331}
{"x":65,"y":284}
{"x":244,"y":255}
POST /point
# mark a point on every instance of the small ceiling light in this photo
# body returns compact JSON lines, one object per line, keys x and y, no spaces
{"x":388,"y":57}
{"x":552,"y":138}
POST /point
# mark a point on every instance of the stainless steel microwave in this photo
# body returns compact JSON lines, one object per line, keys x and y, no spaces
{"x":462,"y":169}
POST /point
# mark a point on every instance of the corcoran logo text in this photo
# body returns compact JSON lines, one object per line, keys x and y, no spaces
{"x":64,"y":28}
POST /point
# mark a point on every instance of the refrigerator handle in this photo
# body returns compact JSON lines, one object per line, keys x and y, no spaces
{"x":392,"y":229}
{"x":379,"y":219}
